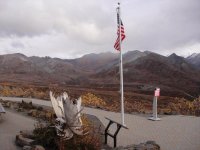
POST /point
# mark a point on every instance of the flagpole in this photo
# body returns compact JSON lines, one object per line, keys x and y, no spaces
{"x":121,"y":69}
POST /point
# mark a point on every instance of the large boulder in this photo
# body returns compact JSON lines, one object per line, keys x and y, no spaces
{"x":27,"y":134}
{"x":25,"y":140}
{"x":22,"y":141}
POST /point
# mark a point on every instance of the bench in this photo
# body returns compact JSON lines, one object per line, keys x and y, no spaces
{"x":114,"y":136}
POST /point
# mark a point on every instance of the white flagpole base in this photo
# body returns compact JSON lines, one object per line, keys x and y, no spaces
{"x":154,"y":119}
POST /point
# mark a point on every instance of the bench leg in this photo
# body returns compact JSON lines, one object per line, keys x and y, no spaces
{"x":106,"y":132}
{"x":115,"y":141}
{"x":106,"y":138}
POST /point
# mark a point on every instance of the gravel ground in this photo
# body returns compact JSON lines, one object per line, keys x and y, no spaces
{"x":175,"y":132}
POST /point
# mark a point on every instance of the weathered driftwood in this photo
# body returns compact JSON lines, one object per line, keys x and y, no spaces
{"x":68,"y":114}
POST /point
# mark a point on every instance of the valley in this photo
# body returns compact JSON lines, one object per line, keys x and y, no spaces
{"x":96,"y":78}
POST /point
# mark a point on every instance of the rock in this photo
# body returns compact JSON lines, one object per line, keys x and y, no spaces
{"x":129,"y":147}
{"x":27,"y":134}
{"x":20,"y":109}
{"x":165,"y":111}
{"x":33,"y":113}
{"x":22,"y":141}
{"x":147,"y":111}
{"x":149,"y":145}
{"x":7,"y":104}
{"x":174,"y":113}
{"x":150,"y":142}
{"x":27,"y":105}
{"x":38,"y":147}
{"x":14,"y":105}
{"x":35,"y":147}
{"x":41,"y":114}
{"x":27,"y":148}
{"x":139,"y":147}
{"x":40,"y":108}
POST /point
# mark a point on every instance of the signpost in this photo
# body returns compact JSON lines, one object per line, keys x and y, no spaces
{"x":156,"y":95}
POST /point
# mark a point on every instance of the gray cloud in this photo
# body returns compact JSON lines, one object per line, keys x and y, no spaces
{"x":72,"y":28}
{"x":16,"y":44}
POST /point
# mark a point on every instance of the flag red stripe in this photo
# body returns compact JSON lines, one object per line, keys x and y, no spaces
{"x":117,"y":42}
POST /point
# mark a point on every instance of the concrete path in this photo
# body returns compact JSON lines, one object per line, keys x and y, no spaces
{"x":171,"y":133}
{"x":10,"y":125}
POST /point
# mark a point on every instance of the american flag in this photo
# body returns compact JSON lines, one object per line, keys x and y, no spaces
{"x":117,"y":43}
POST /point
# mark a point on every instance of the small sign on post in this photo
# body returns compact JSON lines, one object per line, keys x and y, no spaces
{"x":157,"y":92}
{"x":156,"y":95}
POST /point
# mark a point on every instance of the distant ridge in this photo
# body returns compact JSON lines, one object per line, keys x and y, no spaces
{"x":142,"y":71}
{"x":194,"y":59}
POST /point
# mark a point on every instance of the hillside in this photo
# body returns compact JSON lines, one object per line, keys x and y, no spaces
{"x":194,"y":59}
{"x":173,"y":74}
{"x":143,"y":71}
{"x":37,"y":70}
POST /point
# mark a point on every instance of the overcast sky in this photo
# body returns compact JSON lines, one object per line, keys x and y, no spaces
{"x":72,"y":28}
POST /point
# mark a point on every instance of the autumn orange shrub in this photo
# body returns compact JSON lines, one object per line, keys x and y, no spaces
{"x":90,"y":99}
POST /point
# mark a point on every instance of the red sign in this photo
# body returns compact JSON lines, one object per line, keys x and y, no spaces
{"x":157,"y":92}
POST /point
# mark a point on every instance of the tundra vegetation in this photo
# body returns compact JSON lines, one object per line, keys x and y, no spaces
{"x":109,"y":100}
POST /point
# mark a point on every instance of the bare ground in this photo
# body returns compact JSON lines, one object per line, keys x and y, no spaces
{"x":175,"y":132}
{"x":10,"y":125}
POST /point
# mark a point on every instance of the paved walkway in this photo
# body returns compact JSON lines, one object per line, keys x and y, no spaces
{"x":171,"y":133}
{"x":10,"y":125}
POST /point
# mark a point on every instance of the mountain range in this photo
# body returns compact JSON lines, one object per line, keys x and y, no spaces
{"x":143,"y":71}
